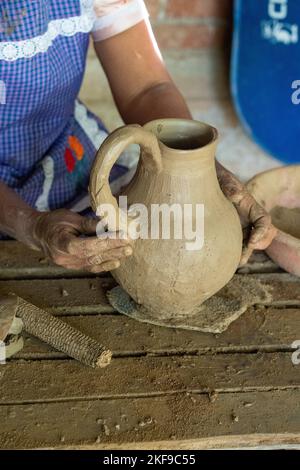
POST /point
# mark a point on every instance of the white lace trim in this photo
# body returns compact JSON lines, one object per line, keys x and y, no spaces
{"x":13,"y":50}
{"x":42,"y":202}
{"x":117,"y":20}
{"x":89,"y":125}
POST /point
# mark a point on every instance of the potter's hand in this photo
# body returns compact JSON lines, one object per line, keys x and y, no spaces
{"x":257,"y":226}
{"x":60,"y":235}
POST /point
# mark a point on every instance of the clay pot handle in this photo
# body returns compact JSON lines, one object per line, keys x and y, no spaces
{"x":108,"y":154}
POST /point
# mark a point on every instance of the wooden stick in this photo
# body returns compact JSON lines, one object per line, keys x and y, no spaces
{"x":62,"y":336}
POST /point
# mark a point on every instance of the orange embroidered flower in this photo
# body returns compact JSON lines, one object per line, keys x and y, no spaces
{"x":76,"y":146}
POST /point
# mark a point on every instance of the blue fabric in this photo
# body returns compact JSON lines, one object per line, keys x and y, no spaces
{"x":38,"y":120}
{"x":265,"y":62}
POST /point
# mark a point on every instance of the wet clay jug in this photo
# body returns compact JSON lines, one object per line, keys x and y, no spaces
{"x":164,"y":282}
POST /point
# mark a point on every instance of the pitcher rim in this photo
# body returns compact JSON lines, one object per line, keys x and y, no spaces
{"x":212,"y":141}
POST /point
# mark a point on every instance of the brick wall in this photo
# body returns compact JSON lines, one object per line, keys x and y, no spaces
{"x":190,"y":24}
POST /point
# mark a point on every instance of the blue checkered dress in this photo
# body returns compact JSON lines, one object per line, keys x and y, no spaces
{"x":48,"y":139}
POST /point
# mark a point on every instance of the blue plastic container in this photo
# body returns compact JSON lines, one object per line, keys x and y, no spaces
{"x":265,"y":74}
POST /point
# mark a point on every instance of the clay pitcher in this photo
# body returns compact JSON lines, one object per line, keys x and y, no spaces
{"x":176,"y":166}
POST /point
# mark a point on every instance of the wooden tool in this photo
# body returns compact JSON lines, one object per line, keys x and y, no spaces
{"x":16,"y":312}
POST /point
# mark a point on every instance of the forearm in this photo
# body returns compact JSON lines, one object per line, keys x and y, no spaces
{"x":159,"y":101}
{"x":16,"y":217}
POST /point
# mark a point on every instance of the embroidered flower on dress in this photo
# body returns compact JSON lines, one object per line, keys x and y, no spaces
{"x":69,"y":160}
{"x":76,"y":146}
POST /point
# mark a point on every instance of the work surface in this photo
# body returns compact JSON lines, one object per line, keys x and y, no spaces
{"x":164,"y":388}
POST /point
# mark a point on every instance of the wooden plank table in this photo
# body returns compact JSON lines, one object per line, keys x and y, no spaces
{"x":165,"y":388}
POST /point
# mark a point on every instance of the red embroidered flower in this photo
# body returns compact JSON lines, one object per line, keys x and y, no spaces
{"x":69,"y":160}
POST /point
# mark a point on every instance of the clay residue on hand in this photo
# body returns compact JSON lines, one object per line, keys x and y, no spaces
{"x":287,"y":220}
